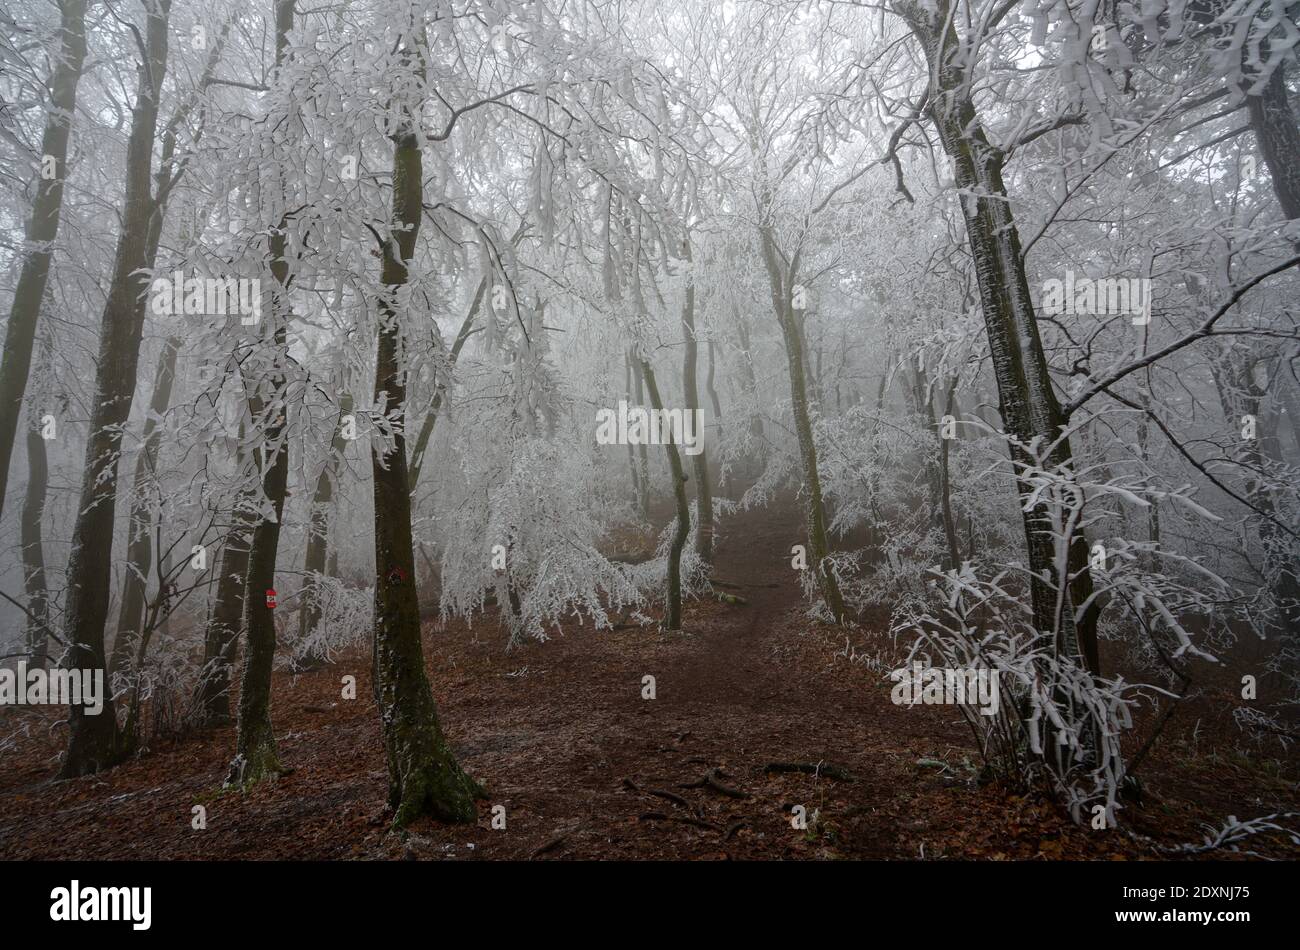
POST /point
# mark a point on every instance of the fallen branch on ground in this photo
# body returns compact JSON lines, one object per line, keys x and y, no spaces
{"x":550,"y":845}
{"x":731,"y":599}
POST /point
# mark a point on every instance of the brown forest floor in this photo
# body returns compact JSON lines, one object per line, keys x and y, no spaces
{"x":561,"y":737}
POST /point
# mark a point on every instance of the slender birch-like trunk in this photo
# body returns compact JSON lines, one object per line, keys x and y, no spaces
{"x":781,"y":282}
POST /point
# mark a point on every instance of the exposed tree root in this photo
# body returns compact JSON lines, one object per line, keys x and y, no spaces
{"x":439,"y":788}
{"x":247,"y":770}
{"x":734,"y":827}
{"x":658,"y":793}
{"x":811,"y":768}
{"x":685,"y":820}
{"x":713,"y":779}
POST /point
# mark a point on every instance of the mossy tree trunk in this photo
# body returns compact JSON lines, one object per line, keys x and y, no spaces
{"x":423,"y":776}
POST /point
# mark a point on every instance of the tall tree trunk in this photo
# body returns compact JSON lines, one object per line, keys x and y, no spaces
{"x":673,"y":611}
{"x":139,"y":523}
{"x":1257,"y":454}
{"x":1278,"y":137}
{"x":781,"y":281}
{"x":256,"y":757}
{"x":700,"y":462}
{"x":423,"y":776}
{"x":313,"y":564}
{"x":42,"y":229}
{"x":1029,"y":405}
{"x":139,"y":550}
{"x":38,"y":611}
{"x":93,"y":739}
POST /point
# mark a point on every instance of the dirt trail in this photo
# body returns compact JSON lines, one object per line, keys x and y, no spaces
{"x":584,"y":766}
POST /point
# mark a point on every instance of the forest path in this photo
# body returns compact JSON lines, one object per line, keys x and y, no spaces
{"x":741,"y":687}
{"x":581,"y":763}
{"x":724,"y":666}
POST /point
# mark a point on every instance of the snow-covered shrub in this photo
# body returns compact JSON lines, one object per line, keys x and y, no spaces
{"x":346,"y":618}
{"x":1057,"y":719}
{"x":874,"y":472}
{"x":1054,"y":719}
{"x":530,"y":533}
